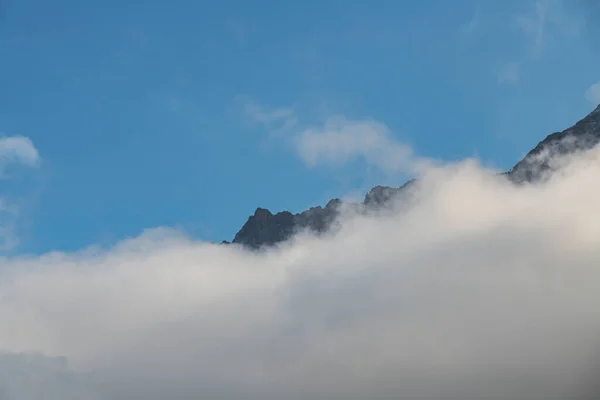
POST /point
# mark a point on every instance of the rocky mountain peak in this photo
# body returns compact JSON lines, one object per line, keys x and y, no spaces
{"x":262,"y":214}
{"x":584,"y":135}
{"x":265,"y":228}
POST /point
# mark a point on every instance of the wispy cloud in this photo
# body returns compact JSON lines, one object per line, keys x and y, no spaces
{"x":534,"y":25}
{"x":341,"y":140}
{"x":276,"y":120}
{"x":470,"y":28}
{"x":14,"y":150}
{"x":338,"y":140}
{"x":593,"y":94}
{"x":17,"y":150}
{"x":543,"y":24}
{"x":549,"y":19}
{"x":237,"y":29}
{"x":509,"y":74}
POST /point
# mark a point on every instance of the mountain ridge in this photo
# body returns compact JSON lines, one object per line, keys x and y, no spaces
{"x":263,"y":228}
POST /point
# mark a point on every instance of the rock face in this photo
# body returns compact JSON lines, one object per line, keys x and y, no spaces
{"x":584,"y":135}
{"x":379,"y":196}
{"x":266,"y":229}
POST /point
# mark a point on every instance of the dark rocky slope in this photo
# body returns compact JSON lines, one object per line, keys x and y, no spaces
{"x":584,"y":135}
{"x":265,"y":228}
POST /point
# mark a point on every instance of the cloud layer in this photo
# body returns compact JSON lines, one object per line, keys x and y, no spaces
{"x":34,"y":376}
{"x":477,"y":290}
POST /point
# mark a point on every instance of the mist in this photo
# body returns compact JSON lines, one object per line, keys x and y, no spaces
{"x":476,"y":288}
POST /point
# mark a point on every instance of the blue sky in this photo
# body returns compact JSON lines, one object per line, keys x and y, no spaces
{"x":191,"y":114}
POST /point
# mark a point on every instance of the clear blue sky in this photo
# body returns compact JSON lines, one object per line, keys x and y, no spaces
{"x":180,"y":113}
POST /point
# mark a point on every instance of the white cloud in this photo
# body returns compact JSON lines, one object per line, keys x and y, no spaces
{"x":276,"y":119}
{"x":478,"y":290}
{"x":14,"y":150}
{"x":341,"y":141}
{"x":593,"y":94}
{"x":509,"y":74}
{"x":338,"y":141}
{"x":17,"y":150}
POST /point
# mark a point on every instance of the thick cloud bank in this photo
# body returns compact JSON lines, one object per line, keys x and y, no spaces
{"x":33,"y":376}
{"x":478,"y":289}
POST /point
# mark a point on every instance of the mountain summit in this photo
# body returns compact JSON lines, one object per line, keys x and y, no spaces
{"x":265,"y":228}
{"x":584,"y":135}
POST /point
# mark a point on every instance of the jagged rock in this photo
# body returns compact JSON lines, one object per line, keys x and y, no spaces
{"x":381,"y":195}
{"x":584,"y":135}
{"x":318,"y":219}
{"x":266,"y":229}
